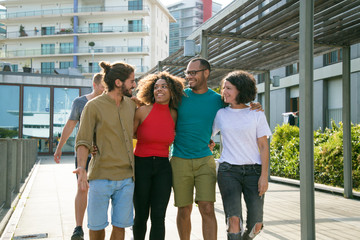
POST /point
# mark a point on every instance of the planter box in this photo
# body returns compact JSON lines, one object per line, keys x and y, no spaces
{"x":27,"y":69}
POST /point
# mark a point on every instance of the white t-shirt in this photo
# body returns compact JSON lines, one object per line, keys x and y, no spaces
{"x":240,"y":129}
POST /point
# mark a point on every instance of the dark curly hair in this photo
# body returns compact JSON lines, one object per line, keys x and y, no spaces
{"x":117,"y":70}
{"x":244,"y":82}
{"x":146,"y":88}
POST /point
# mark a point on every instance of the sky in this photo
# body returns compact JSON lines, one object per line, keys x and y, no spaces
{"x":222,"y":2}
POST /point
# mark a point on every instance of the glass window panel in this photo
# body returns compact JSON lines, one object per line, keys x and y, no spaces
{"x":47,"y":30}
{"x":95,"y":27}
{"x":94,"y":67}
{"x":135,"y":25}
{"x":135,"y":5}
{"x":47,"y":48}
{"x":47,"y":67}
{"x":66,"y":47}
{"x":65,"y":65}
{"x":9,"y":112}
{"x":36,"y":119}
{"x":63,"y":98}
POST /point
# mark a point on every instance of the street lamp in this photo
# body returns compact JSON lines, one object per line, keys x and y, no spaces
{"x":91,"y":45}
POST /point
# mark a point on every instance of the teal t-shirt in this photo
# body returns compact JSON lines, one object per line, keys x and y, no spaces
{"x":196,"y":115}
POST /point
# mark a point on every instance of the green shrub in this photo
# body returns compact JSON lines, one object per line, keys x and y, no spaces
{"x":328,"y":154}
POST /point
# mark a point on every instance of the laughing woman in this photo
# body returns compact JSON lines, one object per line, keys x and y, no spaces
{"x":244,"y":160}
{"x":154,"y":127}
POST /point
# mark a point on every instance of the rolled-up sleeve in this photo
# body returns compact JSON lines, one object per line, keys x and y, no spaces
{"x":87,"y":126}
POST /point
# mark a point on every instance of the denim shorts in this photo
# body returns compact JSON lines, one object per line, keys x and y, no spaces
{"x":121,"y":195}
{"x":235,"y":180}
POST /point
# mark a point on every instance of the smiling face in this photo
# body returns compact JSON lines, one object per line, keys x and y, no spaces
{"x":128,"y":85}
{"x":197,"y":77}
{"x":230,"y":93}
{"x":161,"y":92}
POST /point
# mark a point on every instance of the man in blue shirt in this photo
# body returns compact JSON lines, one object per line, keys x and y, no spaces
{"x":192,"y":161}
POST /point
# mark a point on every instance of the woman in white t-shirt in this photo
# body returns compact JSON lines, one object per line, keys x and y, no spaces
{"x":244,"y":160}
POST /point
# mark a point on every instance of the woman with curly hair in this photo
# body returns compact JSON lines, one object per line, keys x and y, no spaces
{"x":244,"y":160}
{"x":154,"y":127}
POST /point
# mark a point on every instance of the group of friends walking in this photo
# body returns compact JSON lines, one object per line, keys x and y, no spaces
{"x":164,"y":115}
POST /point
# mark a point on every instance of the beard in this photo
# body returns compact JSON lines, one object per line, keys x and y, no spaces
{"x":125,"y":91}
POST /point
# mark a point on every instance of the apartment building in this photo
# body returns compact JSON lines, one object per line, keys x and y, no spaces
{"x":189,"y":16}
{"x":43,"y":36}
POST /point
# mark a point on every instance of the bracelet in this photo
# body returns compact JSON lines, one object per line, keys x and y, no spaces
{"x":81,"y":167}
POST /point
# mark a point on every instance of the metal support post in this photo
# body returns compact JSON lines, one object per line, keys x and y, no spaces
{"x":306,"y":50}
{"x":204,"y":45}
{"x":346,"y":119}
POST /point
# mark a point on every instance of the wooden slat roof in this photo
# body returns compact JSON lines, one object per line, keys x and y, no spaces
{"x":258,"y":35}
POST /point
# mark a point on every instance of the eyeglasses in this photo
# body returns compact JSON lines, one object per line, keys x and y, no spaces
{"x":194,"y":72}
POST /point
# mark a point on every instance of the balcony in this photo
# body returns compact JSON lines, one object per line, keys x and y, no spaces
{"x":90,"y":70}
{"x":69,"y":11}
{"x":81,"y":51}
{"x":81,"y":30}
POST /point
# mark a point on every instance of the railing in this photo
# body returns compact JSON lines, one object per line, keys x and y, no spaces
{"x":138,"y":69}
{"x":81,"y":30}
{"x":61,"y":11}
{"x":60,"y":51}
{"x":17,"y":158}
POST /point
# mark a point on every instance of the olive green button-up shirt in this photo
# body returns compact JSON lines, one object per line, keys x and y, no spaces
{"x":110,"y":128}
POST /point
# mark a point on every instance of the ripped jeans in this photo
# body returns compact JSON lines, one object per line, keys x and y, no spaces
{"x":233,"y":181}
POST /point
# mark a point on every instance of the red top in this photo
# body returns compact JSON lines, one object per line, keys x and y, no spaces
{"x":156,"y":133}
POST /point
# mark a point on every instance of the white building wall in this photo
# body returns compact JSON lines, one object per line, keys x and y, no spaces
{"x":154,"y":41}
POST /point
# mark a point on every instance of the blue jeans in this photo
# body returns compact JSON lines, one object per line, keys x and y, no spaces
{"x":235,"y":180}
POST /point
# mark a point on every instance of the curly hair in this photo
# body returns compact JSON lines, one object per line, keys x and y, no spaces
{"x":244,"y":82}
{"x":117,"y":70}
{"x":146,"y":88}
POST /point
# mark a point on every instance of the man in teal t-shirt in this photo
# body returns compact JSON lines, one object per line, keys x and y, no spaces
{"x":192,"y":162}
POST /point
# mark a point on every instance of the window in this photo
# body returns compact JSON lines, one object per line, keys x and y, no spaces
{"x":333,"y":57}
{"x":94,"y":67}
{"x":135,"y":5}
{"x":66,"y":47}
{"x":36,"y":118}
{"x":166,"y":39}
{"x":63,"y":98}
{"x":292,"y":69}
{"x":261,"y":78}
{"x":14,"y":68}
{"x":65,"y":65}
{"x":47,"y":67}
{"x":47,"y":49}
{"x":47,"y":30}
{"x":95,"y":27}
{"x":135,"y":25}
{"x":9,"y":120}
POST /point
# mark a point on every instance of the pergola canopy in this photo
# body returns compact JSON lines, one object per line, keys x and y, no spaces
{"x":258,"y":36}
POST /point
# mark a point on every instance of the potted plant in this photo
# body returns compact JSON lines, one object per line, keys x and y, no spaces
{"x":26,"y":68}
{"x":22,"y":31}
{"x":91,"y":44}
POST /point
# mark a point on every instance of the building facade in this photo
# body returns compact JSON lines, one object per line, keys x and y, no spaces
{"x":328,"y":102}
{"x":189,"y":15}
{"x":43,"y":36}
{"x":37,"y":106}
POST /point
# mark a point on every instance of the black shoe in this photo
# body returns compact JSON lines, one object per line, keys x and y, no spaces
{"x":78,"y":234}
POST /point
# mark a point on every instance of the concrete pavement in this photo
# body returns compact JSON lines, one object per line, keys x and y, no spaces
{"x":46,"y":210}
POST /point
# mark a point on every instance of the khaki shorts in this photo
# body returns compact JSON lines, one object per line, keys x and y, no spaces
{"x":198,"y":172}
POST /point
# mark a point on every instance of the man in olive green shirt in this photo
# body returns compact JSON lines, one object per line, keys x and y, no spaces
{"x":107,"y":122}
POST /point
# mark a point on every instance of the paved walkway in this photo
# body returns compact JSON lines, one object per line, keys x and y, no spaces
{"x":46,"y":209}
